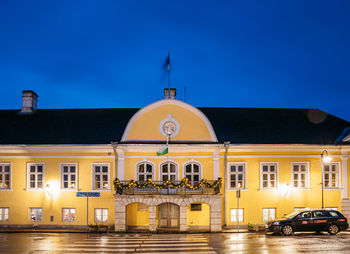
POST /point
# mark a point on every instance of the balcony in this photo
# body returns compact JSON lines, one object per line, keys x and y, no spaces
{"x":183,"y":187}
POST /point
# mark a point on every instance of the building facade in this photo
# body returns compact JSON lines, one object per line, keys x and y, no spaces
{"x":223,"y":166}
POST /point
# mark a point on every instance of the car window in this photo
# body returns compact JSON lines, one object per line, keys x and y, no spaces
{"x":304,"y":215}
{"x":333,"y":214}
{"x":321,"y":214}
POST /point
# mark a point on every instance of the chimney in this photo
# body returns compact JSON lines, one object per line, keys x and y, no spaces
{"x":30,"y":99}
{"x":172,"y":92}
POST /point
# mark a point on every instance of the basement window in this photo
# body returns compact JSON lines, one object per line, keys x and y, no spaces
{"x":196,"y":207}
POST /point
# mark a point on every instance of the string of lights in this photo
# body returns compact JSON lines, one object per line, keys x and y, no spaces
{"x":184,"y":182}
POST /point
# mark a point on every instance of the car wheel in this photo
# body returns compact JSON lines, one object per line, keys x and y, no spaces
{"x":287,"y":230}
{"x":333,"y":229}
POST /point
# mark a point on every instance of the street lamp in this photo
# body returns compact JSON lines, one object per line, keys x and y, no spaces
{"x":324,"y":159}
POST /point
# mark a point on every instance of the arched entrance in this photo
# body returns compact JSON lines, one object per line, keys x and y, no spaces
{"x":168,"y":216}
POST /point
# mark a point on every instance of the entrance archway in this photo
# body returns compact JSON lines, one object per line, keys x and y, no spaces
{"x":168,"y":216}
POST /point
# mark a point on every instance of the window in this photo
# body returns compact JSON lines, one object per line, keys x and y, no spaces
{"x":168,"y":171}
{"x":237,"y":175}
{"x":193,"y":172}
{"x":36,"y":214}
{"x":268,"y":172}
{"x":69,"y":176}
{"x":321,"y":214}
{"x":35,"y":176}
{"x":144,"y":171}
{"x":68,"y":214}
{"x":4,"y":214}
{"x":237,"y":215}
{"x":101,"y":214}
{"x":269,"y":214}
{"x":331,"y":175}
{"x":300,"y":175}
{"x":100,"y":176}
{"x":5,"y":175}
{"x":196,"y":207}
{"x":305,"y":215}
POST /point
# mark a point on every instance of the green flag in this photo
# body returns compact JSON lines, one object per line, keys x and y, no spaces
{"x":163,"y":150}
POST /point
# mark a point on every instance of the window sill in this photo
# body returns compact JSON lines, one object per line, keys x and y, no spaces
{"x":5,"y":189}
{"x":335,"y":188}
{"x":268,"y":189}
{"x":36,"y":189}
{"x":101,"y":189}
{"x":295,"y":188}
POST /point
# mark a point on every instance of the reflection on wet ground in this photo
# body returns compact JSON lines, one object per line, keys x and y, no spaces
{"x":174,"y":243}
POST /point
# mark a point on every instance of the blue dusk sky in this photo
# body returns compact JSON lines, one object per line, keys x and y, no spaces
{"x":108,"y":54}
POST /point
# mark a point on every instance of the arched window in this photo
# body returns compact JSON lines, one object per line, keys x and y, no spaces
{"x":144,"y":171}
{"x":193,"y":172}
{"x":168,"y":171}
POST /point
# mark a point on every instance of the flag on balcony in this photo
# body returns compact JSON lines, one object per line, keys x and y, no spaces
{"x":163,"y":150}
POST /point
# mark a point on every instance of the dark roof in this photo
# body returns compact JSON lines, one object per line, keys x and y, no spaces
{"x":275,"y":125}
{"x":237,"y":125}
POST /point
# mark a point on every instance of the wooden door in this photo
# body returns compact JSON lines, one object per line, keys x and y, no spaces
{"x":168,"y":216}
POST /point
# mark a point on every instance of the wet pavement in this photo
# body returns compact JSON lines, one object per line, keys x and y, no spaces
{"x":173,"y":243}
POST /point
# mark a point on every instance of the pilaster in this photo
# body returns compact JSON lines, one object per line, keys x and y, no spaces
{"x":152,"y":218}
{"x":183,"y":217}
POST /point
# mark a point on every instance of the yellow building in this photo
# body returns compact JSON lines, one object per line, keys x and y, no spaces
{"x":223,"y":166}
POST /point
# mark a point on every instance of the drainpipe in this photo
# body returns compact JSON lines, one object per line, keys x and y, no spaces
{"x":226,"y":146}
{"x":114,"y":146}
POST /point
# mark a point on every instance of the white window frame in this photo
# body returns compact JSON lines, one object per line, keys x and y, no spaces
{"x":31,"y":209}
{"x":268,"y":213}
{"x":244,"y":164}
{"x":101,"y":174}
{"x":69,"y":175}
{"x":36,"y":182}
{"x":70,"y":212}
{"x":234,"y":214}
{"x":307,"y":180}
{"x":4,"y":214}
{"x":176,"y":170}
{"x":145,"y":174}
{"x":338,"y":182}
{"x":103,"y":214}
{"x":192,"y":173}
{"x":4,"y":164}
{"x":261,"y":175}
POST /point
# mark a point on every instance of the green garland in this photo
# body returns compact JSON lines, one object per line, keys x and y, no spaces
{"x":119,"y":185}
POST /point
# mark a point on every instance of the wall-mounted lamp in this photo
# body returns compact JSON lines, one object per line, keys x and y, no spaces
{"x":52,"y":189}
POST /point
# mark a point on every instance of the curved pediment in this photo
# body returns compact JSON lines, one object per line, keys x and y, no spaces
{"x":179,"y":120}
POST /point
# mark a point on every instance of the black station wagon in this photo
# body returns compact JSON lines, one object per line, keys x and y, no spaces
{"x":310,"y":220}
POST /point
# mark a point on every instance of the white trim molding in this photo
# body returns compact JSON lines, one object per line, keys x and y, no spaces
{"x":156,"y":104}
{"x":307,"y":180}
{"x":35,"y":173}
{"x":62,"y":164}
{"x":121,"y":160}
{"x":143,"y":162}
{"x":165,"y":162}
{"x":339,"y":180}
{"x":216,"y":164}
{"x":262,"y":163}
{"x":344,"y":191}
{"x":245,"y":182}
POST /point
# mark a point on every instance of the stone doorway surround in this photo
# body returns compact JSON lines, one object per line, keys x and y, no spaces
{"x":121,"y":201}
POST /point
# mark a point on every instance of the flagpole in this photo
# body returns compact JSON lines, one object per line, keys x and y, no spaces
{"x":168,"y":74}
{"x":167,"y":145}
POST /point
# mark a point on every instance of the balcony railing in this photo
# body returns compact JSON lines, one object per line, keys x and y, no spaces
{"x":183,"y":187}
